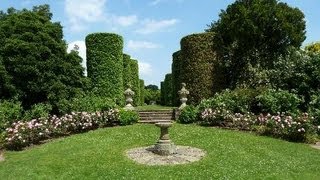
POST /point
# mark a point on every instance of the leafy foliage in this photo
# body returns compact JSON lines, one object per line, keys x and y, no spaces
{"x":314,"y":47}
{"x":278,"y":101}
{"x":189,"y":114}
{"x":105,"y":65}
{"x":34,"y":64}
{"x":255,"y":33}
{"x":128,"y":117}
{"x":151,"y":96}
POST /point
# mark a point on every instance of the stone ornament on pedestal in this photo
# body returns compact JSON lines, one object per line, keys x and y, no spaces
{"x":129,"y":95}
{"x":183,"y":96}
{"x":164,"y":146}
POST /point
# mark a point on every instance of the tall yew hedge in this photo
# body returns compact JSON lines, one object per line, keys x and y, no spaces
{"x":162,"y":93}
{"x":176,"y":82}
{"x":105,"y":64}
{"x":141,"y":92}
{"x":199,"y":67}
{"x":167,"y":90}
{"x":127,"y":75}
{"x":134,"y":68}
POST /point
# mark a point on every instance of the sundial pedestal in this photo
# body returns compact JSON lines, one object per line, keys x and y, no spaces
{"x":164,"y":146}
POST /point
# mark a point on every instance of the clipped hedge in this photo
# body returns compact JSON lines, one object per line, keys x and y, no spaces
{"x":167,"y":90}
{"x":141,"y":92}
{"x":105,"y":65}
{"x":127,"y":76}
{"x":176,"y":82}
{"x":199,"y":67}
{"x":135,"y":81}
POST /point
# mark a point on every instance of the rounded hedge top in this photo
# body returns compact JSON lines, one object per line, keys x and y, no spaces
{"x":97,"y":41}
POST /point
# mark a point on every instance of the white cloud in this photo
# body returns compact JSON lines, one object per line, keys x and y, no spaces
{"x":144,"y":69}
{"x":151,"y":26}
{"x":82,"y":52}
{"x":125,"y":20}
{"x":80,"y":12}
{"x":136,"y":45}
{"x":155,"y":2}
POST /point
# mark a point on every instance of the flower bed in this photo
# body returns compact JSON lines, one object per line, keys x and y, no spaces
{"x":22,"y":134}
{"x":298,"y":129}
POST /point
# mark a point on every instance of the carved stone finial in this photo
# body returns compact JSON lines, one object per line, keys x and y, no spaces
{"x":183,"y":96}
{"x":128,"y":95}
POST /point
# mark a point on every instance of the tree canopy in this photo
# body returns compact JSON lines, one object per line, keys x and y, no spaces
{"x":34,"y":64}
{"x":254,"y":33}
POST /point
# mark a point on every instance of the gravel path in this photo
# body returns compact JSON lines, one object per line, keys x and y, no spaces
{"x":184,"y":155}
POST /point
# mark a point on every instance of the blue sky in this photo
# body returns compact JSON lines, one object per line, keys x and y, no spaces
{"x":151,"y":29}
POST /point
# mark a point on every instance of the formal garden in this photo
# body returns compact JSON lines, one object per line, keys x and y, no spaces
{"x":242,"y":99}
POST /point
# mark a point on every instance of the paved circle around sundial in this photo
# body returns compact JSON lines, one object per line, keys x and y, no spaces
{"x":183,"y":155}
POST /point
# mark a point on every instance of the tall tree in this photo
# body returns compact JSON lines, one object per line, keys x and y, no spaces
{"x":35,"y":64}
{"x":254,"y":33}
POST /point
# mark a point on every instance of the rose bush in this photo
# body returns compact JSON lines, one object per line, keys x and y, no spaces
{"x":22,"y":134}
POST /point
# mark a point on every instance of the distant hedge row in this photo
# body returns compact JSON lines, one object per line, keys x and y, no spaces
{"x":109,"y":70}
{"x":196,"y":65}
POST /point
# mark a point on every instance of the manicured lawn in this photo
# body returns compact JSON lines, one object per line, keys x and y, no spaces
{"x":153,"y":107}
{"x":100,"y":154}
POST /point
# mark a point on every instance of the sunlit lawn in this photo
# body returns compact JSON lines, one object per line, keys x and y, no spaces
{"x":100,"y":154}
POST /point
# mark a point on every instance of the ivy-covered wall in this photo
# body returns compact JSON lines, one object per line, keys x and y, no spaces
{"x":105,"y":65}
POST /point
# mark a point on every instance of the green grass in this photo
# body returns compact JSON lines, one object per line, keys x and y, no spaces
{"x":100,"y":154}
{"x":153,"y":107}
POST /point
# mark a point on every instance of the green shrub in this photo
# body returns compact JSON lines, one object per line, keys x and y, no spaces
{"x":105,"y":65}
{"x":88,"y":103}
{"x":236,"y":101}
{"x":127,"y":117}
{"x":10,"y":111}
{"x":40,"y":110}
{"x":199,"y":67}
{"x":189,"y":114}
{"x":135,"y":81}
{"x":274,"y":101}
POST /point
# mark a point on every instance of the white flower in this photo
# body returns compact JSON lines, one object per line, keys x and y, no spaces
{"x":40,"y":134}
{"x":318,"y":127}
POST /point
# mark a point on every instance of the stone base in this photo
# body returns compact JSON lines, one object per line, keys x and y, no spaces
{"x":1,"y":156}
{"x":164,"y":148}
{"x":183,"y":155}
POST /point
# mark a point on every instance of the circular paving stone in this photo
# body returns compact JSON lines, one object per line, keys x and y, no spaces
{"x":183,"y":155}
